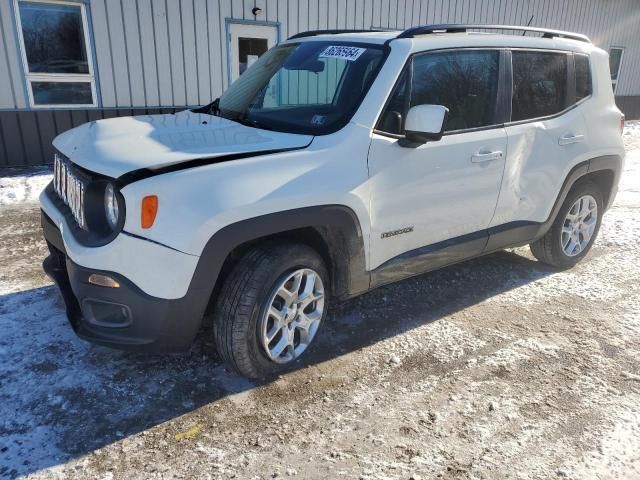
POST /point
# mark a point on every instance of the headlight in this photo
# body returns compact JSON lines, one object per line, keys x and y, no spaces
{"x":111,"y":210}
{"x":104,"y":213}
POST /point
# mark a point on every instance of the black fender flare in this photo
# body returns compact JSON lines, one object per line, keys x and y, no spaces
{"x":611,"y":163}
{"x":337,"y":225}
{"x":523,"y":232}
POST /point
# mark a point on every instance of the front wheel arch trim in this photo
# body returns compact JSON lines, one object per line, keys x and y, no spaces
{"x":338,"y":226}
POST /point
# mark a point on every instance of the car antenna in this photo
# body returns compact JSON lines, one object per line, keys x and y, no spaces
{"x":528,"y":25}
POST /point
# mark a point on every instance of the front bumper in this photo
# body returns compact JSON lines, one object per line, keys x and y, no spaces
{"x":124,"y":317}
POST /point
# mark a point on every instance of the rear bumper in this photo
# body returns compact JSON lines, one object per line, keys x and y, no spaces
{"x":124,"y":317}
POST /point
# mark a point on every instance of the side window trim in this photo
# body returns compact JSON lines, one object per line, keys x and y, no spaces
{"x":503,"y":82}
{"x":505,"y":88}
{"x":407,"y":69}
{"x":408,"y":91}
{"x":571,"y":98}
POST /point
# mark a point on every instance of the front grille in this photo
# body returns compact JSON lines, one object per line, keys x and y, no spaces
{"x":70,"y":187}
{"x":79,"y":195}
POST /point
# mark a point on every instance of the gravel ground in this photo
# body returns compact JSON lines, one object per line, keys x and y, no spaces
{"x":495,"y":368}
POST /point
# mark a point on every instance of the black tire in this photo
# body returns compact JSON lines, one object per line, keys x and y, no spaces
{"x":548,"y":249}
{"x":243,"y":298}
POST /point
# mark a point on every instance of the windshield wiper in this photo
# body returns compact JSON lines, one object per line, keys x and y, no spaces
{"x":211,"y":109}
{"x":244,"y":120}
{"x":214,"y":109}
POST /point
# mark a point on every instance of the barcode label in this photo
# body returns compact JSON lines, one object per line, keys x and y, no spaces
{"x":342,"y":51}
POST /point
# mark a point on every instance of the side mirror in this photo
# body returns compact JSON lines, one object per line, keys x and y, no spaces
{"x":425,"y":123}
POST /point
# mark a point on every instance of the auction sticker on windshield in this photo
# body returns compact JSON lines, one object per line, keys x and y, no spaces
{"x":342,"y":51}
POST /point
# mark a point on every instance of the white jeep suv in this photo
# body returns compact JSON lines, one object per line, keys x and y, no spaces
{"x":338,"y":162}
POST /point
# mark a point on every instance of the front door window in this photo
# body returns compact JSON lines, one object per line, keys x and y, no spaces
{"x":466,"y":82}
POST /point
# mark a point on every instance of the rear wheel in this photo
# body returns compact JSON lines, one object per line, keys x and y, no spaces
{"x":574,"y":230}
{"x":270,"y":308}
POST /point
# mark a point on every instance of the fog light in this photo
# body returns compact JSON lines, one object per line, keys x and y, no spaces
{"x":103,"y":281}
{"x":106,"y":314}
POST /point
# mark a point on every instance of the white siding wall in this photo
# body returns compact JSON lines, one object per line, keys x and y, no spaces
{"x":12,"y":90}
{"x":173,"y":52}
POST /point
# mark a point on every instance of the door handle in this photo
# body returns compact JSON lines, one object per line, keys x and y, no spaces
{"x":568,"y":139}
{"x":486,"y":156}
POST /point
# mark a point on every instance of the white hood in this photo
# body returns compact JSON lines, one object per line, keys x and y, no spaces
{"x":117,"y":146}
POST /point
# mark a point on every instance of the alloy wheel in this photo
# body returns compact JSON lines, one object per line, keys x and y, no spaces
{"x":579,"y":225}
{"x":295,"y":310}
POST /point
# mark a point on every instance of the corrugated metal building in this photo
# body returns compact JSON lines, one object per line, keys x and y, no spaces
{"x":63,"y":63}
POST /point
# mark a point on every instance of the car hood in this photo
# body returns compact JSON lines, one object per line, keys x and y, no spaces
{"x":117,"y":146}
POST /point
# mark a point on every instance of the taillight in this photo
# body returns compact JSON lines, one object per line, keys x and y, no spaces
{"x":621,"y":123}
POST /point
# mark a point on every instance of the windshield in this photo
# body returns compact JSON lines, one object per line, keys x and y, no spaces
{"x":310,"y":87}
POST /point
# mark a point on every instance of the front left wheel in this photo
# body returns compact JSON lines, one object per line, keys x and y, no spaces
{"x":270,"y":308}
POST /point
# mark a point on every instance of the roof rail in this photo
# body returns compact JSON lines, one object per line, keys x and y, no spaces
{"x":313,"y":33}
{"x":458,"y":28}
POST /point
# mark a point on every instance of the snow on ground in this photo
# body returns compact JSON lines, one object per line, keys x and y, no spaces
{"x":632,"y":128}
{"x":17,"y":187}
{"x":497,"y":368}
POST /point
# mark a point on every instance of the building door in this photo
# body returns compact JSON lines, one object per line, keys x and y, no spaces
{"x":247,"y":43}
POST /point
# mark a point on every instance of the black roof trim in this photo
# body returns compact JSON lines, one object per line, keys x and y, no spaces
{"x":313,"y":33}
{"x":459,"y":28}
{"x":453,"y":28}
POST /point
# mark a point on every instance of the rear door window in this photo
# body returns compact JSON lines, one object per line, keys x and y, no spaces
{"x":539,"y":84}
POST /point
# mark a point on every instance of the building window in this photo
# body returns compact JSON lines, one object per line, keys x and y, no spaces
{"x":615,"y":60}
{"x":56,"y":53}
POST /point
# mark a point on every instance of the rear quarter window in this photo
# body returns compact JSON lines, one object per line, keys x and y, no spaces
{"x":583,"y":76}
{"x":539,"y":84}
